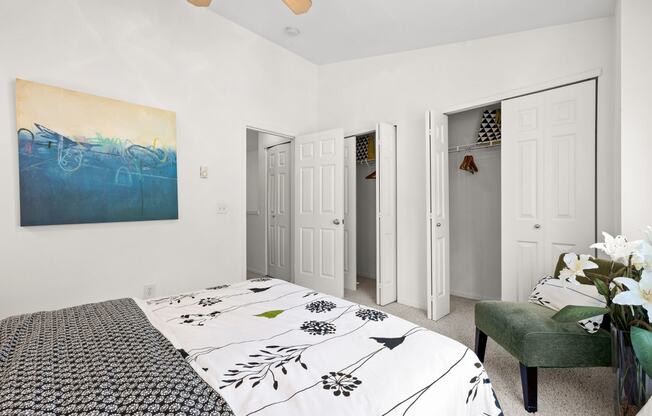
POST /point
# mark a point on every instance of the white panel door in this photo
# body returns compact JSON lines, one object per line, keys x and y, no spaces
{"x":278,"y":211}
{"x":548,"y":183}
{"x":386,"y":250}
{"x":437,"y":216}
{"x":319,"y":211}
{"x":350,"y":218}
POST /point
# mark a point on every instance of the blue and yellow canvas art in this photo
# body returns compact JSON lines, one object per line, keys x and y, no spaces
{"x":88,"y":159}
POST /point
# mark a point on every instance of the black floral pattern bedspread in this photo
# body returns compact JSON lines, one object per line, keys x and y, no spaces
{"x":272,"y":348}
{"x":100,"y":359}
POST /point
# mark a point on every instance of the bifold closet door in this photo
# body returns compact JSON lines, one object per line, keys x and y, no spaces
{"x":437,"y":216}
{"x":548,"y":183}
{"x":386,"y":242}
{"x":278,"y":211}
{"x":319,"y":211}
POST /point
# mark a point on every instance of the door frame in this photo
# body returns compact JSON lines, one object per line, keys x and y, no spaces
{"x":243,"y":250}
{"x":590,"y":75}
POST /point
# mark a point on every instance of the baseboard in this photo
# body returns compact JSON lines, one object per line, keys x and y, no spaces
{"x":367,"y":275}
{"x":469,"y":295}
{"x":262,"y":273}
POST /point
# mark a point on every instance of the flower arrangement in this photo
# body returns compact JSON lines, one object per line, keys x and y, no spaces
{"x":627,"y":290}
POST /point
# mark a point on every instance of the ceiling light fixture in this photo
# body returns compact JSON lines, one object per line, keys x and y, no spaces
{"x":292,"y":31}
{"x":298,"y":6}
{"x":200,"y":3}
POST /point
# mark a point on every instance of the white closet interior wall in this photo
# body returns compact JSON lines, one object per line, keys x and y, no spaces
{"x":366,"y":221}
{"x":474,"y":212}
{"x":255,"y":207}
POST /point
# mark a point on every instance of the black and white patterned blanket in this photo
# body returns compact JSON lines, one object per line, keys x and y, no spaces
{"x":272,"y":348}
{"x":101,"y":359}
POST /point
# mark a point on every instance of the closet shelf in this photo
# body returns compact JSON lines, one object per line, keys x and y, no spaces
{"x":474,"y":146}
{"x":366,"y":162}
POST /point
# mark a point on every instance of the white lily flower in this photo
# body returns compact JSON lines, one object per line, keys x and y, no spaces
{"x":575,"y":266}
{"x":648,"y":234}
{"x":642,"y":258}
{"x":618,"y":248}
{"x":638,"y":293}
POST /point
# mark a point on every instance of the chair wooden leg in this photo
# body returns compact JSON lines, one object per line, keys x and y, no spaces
{"x":529,"y":383}
{"x":480,"y":344}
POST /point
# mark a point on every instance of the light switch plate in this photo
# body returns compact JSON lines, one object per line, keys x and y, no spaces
{"x":149,"y":291}
{"x":203,"y":172}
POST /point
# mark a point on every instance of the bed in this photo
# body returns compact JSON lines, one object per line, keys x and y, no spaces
{"x":260,"y":347}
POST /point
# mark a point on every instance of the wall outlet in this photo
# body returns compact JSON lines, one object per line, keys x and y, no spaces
{"x":203,"y":172}
{"x":149,"y":291}
{"x":222,"y":208}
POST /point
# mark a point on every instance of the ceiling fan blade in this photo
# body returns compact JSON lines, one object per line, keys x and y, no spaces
{"x":200,"y":3}
{"x":298,"y":6}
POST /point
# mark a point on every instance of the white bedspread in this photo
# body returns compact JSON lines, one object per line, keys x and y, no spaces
{"x":273,"y":348}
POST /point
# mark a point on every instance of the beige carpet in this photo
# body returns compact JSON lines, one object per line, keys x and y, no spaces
{"x":572,"y":392}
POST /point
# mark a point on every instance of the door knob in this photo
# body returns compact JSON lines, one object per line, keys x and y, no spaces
{"x":336,"y":221}
{"x":537,"y":226}
{"x":438,"y":224}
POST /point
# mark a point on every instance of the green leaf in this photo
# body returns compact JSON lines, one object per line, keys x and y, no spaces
{"x":577,"y":313}
{"x":603,"y":289}
{"x":642,"y":343}
{"x":594,"y":275}
{"x":271,"y":314}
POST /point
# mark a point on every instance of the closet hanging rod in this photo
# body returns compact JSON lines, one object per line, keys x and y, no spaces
{"x":474,"y":146}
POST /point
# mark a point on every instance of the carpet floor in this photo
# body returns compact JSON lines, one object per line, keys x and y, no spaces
{"x":572,"y":392}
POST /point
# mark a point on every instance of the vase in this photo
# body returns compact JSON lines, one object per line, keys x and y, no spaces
{"x":630,"y":394}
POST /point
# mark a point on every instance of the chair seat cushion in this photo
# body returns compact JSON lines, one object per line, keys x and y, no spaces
{"x":527,"y":332}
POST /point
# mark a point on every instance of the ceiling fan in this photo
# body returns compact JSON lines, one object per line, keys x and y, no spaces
{"x":297,"y":6}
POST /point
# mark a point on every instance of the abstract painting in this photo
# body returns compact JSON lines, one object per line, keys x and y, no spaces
{"x":88,"y":159}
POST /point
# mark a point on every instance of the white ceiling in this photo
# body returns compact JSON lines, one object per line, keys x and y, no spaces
{"x":338,"y":30}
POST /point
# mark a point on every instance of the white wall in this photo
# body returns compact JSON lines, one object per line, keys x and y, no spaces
{"x":215,"y":75}
{"x":400,"y":87}
{"x":474,"y":212}
{"x":365,"y":221}
{"x":636,"y":111}
{"x":217,"y":78}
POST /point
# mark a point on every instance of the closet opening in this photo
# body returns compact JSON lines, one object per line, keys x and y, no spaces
{"x":269,"y":205}
{"x":474,"y":150}
{"x":360,"y":269}
{"x":510,"y":187}
{"x":370,"y":214}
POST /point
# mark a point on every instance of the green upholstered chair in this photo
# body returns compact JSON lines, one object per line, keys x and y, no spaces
{"x":528,"y":333}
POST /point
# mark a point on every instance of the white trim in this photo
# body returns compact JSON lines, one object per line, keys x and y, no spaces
{"x":557,"y":82}
{"x":367,"y":275}
{"x":269,"y":131}
{"x":250,"y":270}
{"x":472,"y":296}
{"x":243,"y":169}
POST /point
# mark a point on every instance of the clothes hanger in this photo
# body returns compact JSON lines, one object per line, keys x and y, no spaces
{"x":472,"y":165}
{"x":468,"y":164}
